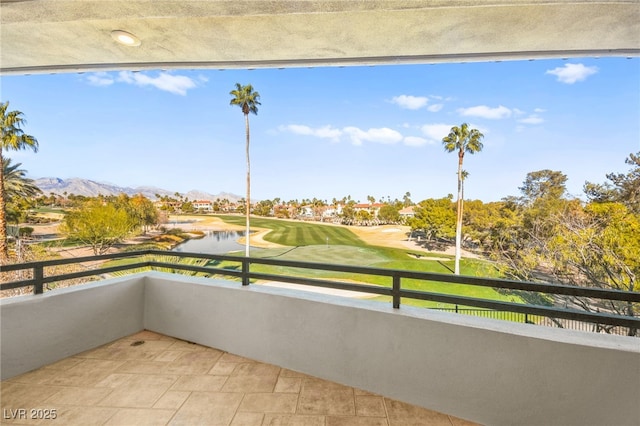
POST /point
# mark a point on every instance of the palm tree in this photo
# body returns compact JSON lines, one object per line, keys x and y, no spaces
{"x":461,"y":139}
{"x":16,"y":186}
{"x":248,"y":100}
{"x":13,"y":138}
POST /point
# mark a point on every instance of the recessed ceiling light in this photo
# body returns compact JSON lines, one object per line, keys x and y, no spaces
{"x":125,"y":38}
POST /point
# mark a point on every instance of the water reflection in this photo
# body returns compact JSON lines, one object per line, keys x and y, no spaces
{"x":214,"y":242}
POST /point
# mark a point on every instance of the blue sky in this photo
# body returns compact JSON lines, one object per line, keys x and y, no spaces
{"x":333,"y":132}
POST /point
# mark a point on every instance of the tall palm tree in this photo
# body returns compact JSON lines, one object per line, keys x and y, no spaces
{"x":461,"y":139}
{"x":14,"y":139}
{"x":248,"y":100}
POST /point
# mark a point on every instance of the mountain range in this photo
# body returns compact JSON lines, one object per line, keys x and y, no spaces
{"x":90,"y":188}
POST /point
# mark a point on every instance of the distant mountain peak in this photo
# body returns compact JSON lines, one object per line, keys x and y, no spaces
{"x":91,"y":188}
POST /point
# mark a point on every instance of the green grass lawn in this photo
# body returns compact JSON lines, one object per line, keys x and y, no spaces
{"x":289,"y":233}
{"x":307,"y":242}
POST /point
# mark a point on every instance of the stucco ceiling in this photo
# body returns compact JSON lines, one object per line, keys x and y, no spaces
{"x":75,"y":35}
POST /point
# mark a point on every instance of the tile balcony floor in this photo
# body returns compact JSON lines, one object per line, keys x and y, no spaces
{"x":166,"y":381}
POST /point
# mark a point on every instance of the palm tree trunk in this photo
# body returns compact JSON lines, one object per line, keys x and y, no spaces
{"x":4,"y":251}
{"x":459,"y":215}
{"x":248,"y":201}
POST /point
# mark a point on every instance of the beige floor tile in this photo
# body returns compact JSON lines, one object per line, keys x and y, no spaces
{"x":269,"y":403}
{"x":356,"y":421}
{"x":40,"y":376}
{"x":170,"y":381}
{"x":227,"y":357}
{"x":202,"y":383}
{"x":290,"y":373}
{"x":122,"y":353}
{"x":148,"y":345}
{"x":292,"y":420}
{"x":77,"y":396}
{"x":87,"y":372}
{"x":288,"y":384}
{"x":140,"y":392}
{"x":193,"y":362}
{"x":315,"y":384}
{"x":181,"y":345}
{"x":143,"y":367}
{"x":222,"y":368}
{"x":140,"y":417}
{"x":455,"y":421}
{"x":247,"y":419}
{"x":83,"y":416}
{"x":207,"y":408}
{"x":114,"y":380}
{"x":148,"y":335}
{"x":63,"y":364}
{"x":19,"y":395}
{"x":256,"y":369}
{"x":168,"y":356}
{"x":357,"y":392}
{"x":370,"y":406}
{"x":172,"y":399}
{"x":327,"y":402}
{"x":402,"y":414}
{"x":250,"y":384}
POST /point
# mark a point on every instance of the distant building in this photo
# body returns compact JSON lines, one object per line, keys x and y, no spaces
{"x":407,"y":212}
{"x":373,"y":208}
{"x":203,"y":205}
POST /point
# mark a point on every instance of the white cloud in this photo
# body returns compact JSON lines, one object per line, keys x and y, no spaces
{"x":484,"y":111}
{"x":532,"y":119}
{"x":539,"y":110}
{"x":572,"y":73}
{"x":435,"y":107}
{"x":325,"y":132}
{"x":517,"y":111}
{"x":381,"y":135}
{"x":410,"y":102}
{"x":100,"y":79}
{"x":415,"y":141}
{"x":176,"y":84}
{"x":435,"y":132}
{"x":358,"y":136}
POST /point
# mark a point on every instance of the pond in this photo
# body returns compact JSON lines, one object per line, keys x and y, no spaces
{"x":214,"y":242}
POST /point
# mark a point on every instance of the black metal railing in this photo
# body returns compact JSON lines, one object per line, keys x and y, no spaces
{"x":148,"y":259}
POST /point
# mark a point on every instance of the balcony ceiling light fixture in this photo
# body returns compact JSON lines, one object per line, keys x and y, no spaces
{"x":125,"y":38}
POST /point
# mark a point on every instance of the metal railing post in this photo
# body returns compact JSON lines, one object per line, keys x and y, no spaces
{"x":395,"y":292}
{"x":38,"y":275}
{"x":245,"y":271}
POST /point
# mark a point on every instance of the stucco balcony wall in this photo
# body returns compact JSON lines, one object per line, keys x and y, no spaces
{"x":484,"y":370}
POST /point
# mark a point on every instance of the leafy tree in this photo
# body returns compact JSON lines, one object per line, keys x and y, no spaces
{"x":389,"y":214}
{"x":463,"y":140}
{"x":263,"y":208}
{"x":363,"y":216}
{"x":543,"y":185}
{"x":99,"y":225}
{"x":598,"y":247}
{"x":143,"y":212}
{"x":623,"y":188}
{"x":18,"y":190}
{"x":435,"y":217}
{"x":248,"y":100}
{"x":13,"y":139}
